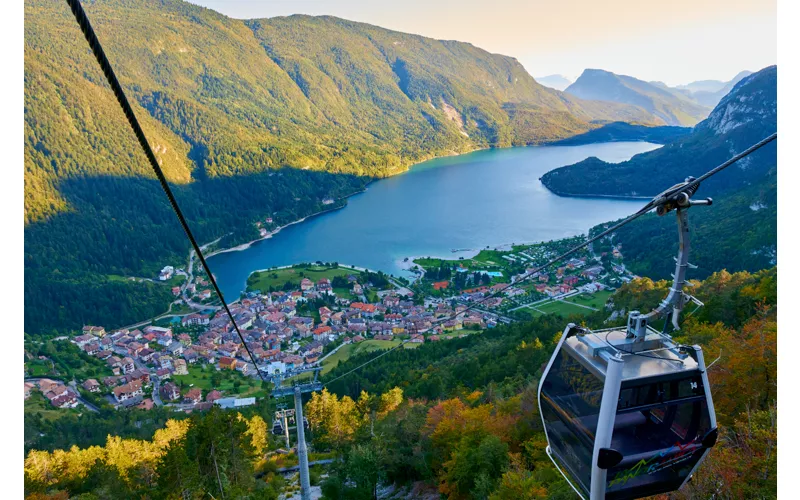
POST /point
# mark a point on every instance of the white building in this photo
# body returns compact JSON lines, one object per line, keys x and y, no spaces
{"x":235,"y":402}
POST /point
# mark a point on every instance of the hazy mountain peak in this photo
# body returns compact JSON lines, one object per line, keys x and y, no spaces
{"x":671,"y":106}
{"x":558,"y":82}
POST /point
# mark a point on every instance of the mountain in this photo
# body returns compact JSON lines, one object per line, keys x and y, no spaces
{"x":672,"y":107}
{"x":249,"y":119}
{"x":558,"y":82}
{"x":714,"y":85}
{"x":710,"y":92}
{"x":705,"y":85}
{"x":744,"y":116}
{"x":739,"y":231}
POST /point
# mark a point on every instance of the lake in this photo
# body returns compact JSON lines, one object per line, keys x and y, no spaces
{"x":465,"y":203}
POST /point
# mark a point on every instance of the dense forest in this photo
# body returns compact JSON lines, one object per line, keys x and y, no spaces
{"x":457,"y":418}
{"x":249,"y":119}
{"x":79,"y":263}
{"x":738,"y":232}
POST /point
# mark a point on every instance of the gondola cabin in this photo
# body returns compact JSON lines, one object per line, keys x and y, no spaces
{"x":626,"y":416}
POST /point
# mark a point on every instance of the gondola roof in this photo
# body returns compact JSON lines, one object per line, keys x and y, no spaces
{"x":657,"y":360}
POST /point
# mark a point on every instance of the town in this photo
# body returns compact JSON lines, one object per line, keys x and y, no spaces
{"x":312,"y":316}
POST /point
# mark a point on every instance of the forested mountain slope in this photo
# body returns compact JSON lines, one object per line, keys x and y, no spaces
{"x":228,"y":96}
{"x":673,"y":107}
{"x":226,"y":103}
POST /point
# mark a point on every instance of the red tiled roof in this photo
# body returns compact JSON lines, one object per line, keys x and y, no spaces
{"x":441,"y":285}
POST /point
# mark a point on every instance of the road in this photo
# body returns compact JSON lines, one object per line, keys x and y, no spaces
{"x":83,"y":401}
{"x":401,"y":289}
{"x":190,"y":277}
{"x":156,"y":397}
{"x":504,"y":319}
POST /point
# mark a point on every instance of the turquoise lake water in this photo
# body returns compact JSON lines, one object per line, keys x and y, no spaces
{"x":491,"y":197}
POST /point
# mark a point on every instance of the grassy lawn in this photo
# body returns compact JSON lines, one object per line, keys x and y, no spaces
{"x":427,"y":263}
{"x":344,"y":293}
{"x":563,"y":308}
{"x":201,"y":376}
{"x":596,"y":300}
{"x":38,"y":368}
{"x":262,"y":280}
{"x":37,"y":403}
{"x":491,"y":257}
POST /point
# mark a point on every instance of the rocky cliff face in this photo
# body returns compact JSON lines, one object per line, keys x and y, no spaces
{"x":754,"y":99}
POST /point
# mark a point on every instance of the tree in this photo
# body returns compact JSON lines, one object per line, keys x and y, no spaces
{"x":476,"y":465}
{"x":257,"y":430}
{"x":364,"y":467}
{"x":335,"y":419}
{"x":389,"y":401}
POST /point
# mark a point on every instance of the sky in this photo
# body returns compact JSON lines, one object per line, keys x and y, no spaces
{"x":675,"y":42}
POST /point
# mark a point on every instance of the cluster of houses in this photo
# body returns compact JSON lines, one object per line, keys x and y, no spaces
{"x":278,"y":337}
{"x":577,"y":273}
{"x":54,"y":391}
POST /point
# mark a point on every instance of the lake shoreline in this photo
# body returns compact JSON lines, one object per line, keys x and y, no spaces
{"x":380,"y":233}
{"x":246,"y":245}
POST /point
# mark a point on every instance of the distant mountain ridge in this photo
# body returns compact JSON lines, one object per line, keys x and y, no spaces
{"x":672,"y":107}
{"x":710,"y":92}
{"x":558,"y":82}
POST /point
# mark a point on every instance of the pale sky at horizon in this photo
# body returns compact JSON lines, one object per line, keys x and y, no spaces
{"x":675,"y":42}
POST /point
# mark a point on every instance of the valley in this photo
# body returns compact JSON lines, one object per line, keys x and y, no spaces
{"x":376,"y":207}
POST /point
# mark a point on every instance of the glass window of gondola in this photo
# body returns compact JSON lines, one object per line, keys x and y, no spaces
{"x":570,"y":401}
{"x":658,"y":429}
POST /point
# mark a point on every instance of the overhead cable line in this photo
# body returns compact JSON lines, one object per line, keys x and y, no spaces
{"x":108,"y":71}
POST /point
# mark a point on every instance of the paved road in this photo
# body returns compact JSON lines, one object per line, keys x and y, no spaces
{"x":156,"y":396}
{"x":83,"y":401}
{"x":401,"y":289}
{"x":190,"y":277}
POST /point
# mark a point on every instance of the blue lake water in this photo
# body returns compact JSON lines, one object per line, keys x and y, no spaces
{"x":491,"y":197}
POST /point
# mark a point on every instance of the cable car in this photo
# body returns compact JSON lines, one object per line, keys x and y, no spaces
{"x":277,"y":426}
{"x":628,"y":412}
